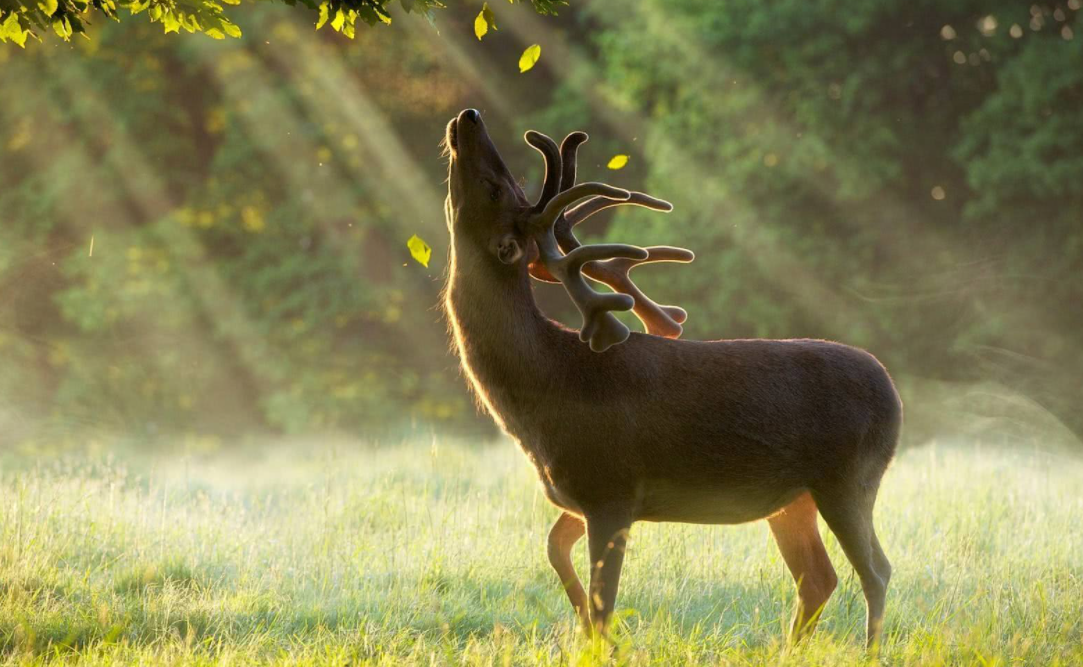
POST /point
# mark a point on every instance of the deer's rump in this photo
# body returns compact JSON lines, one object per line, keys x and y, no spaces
{"x":727,"y":431}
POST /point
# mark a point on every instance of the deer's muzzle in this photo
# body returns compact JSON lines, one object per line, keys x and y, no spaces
{"x":466,"y":121}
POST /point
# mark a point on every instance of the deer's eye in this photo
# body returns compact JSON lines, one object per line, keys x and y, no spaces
{"x":494,"y":193}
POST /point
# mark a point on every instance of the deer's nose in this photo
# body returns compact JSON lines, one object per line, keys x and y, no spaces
{"x":471,"y":114}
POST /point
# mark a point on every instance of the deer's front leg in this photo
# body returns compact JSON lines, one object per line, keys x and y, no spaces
{"x":607,"y":535}
{"x":562,"y":537}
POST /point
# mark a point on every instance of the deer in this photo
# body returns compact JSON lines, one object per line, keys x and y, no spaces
{"x":624,"y":426}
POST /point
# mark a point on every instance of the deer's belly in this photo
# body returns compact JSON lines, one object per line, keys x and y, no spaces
{"x":669,"y":502}
{"x":664,"y":501}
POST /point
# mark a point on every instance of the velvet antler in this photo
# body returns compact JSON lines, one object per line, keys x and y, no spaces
{"x":600,"y":327}
{"x":659,"y":320}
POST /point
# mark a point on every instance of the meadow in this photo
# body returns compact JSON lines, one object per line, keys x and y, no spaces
{"x":432,"y":553}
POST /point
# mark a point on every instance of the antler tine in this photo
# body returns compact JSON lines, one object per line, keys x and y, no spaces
{"x":568,"y":149}
{"x":574,"y":216}
{"x":592,"y":206}
{"x":549,"y":214}
{"x":600,"y":327}
{"x":548,"y":148}
{"x":659,"y":320}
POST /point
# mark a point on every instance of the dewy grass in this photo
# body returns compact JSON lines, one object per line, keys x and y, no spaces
{"x":434,"y":553}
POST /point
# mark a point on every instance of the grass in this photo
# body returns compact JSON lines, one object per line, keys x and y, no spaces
{"x":433,"y":553}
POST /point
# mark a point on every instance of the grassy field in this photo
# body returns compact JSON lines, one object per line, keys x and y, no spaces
{"x":433,"y":553}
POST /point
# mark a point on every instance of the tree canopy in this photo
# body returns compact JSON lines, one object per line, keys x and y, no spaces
{"x":21,"y":20}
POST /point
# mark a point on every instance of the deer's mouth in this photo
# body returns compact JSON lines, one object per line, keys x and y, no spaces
{"x":469,"y":120}
{"x":452,"y":136}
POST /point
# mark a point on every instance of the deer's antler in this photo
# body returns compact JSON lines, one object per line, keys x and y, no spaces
{"x":659,"y":320}
{"x":600,"y":327}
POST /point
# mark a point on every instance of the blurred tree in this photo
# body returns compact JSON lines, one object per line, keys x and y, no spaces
{"x":247,"y":267}
{"x":900,"y":175}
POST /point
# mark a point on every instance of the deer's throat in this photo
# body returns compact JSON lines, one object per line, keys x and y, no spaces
{"x":498,"y":333}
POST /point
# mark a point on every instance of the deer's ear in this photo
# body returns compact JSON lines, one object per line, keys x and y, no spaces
{"x":508,"y":248}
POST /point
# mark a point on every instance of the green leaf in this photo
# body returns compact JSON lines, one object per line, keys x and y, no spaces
{"x":62,"y":27}
{"x":617,"y":162}
{"x":231,"y":29}
{"x":170,"y":22}
{"x":325,"y":13}
{"x":480,"y":26}
{"x":11,"y":29}
{"x":188,"y":22}
{"x":484,"y":21}
{"x":48,"y":6}
{"x":419,"y":250}
{"x":529,"y":57}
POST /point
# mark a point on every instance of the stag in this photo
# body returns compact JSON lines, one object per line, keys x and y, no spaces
{"x":642,"y":427}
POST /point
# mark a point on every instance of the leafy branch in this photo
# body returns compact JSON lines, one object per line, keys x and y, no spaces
{"x":22,"y":19}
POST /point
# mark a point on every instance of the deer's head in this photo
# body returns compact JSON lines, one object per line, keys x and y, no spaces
{"x":487,"y":208}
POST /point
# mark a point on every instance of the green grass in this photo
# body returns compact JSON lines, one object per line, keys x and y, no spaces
{"x":434,"y":554}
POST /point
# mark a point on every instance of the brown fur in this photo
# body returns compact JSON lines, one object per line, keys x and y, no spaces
{"x":655,"y":429}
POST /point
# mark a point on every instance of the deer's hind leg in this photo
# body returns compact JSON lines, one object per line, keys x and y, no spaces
{"x":798,"y":538}
{"x":848,"y":512}
{"x":562,"y":537}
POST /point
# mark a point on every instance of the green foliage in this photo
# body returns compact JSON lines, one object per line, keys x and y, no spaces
{"x":1023,"y":148}
{"x":904,"y":177}
{"x":65,"y":18}
{"x":872,"y":172}
{"x":241,"y":278}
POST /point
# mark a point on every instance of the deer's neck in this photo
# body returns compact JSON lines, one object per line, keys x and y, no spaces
{"x":508,"y":349}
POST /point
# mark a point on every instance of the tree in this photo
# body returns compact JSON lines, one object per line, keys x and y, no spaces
{"x":217,"y":248}
{"x":901,"y":175}
{"x":22,"y":19}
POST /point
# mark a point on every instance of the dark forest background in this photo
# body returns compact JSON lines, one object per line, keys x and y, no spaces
{"x":905,"y":176}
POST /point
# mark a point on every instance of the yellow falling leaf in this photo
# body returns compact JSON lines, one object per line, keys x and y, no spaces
{"x":529,"y":57}
{"x":91,"y":253}
{"x":484,"y":21}
{"x":419,"y":250}
{"x":618,"y":162}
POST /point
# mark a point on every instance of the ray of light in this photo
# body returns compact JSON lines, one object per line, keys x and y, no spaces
{"x":776,"y":263}
{"x":151,"y":197}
